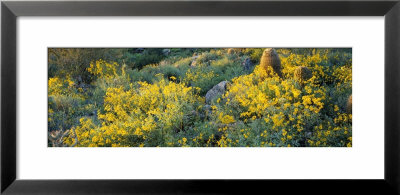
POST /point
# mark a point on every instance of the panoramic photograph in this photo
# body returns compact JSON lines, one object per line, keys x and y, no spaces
{"x":199,"y":97}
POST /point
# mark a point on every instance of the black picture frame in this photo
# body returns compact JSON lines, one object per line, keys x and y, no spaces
{"x":10,"y":10}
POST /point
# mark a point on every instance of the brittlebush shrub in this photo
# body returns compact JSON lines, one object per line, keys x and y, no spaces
{"x":283,"y":110}
{"x":102,"y":68}
{"x":66,"y":103}
{"x":144,"y":115}
{"x":281,"y":113}
{"x":73,"y":62}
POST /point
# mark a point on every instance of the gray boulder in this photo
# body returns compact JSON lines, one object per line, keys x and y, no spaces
{"x":217,"y":90}
{"x":166,"y":52}
{"x":247,"y":64}
{"x":139,"y":50}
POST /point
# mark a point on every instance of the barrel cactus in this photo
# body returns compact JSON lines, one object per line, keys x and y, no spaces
{"x":349,"y":105}
{"x":231,"y":51}
{"x":302,"y":74}
{"x":270,"y":59}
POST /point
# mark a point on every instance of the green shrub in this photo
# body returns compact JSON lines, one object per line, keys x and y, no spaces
{"x":148,"y":56}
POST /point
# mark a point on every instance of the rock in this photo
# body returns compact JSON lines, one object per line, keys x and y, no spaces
{"x":166,"y":51}
{"x":217,"y":90}
{"x":139,"y":50}
{"x":247,"y":64}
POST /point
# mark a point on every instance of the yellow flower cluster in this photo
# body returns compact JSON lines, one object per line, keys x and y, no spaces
{"x":102,"y":68}
{"x":226,"y":119}
{"x":58,"y":86}
{"x":132,"y":116}
{"x":192,"y":75}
